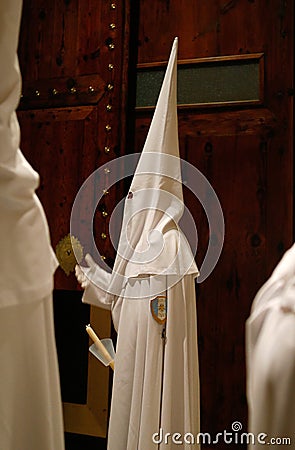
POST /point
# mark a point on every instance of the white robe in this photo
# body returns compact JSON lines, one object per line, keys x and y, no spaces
{"x":270,"y":333}
{"x":144,"y":403}
{"x":30,"y":406}
{"x":149,"y":406}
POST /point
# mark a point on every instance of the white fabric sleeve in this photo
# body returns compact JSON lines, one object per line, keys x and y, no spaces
{"x":96,"y":290}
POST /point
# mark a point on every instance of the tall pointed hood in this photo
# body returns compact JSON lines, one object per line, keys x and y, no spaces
{"x":162,"y":139}
{"x":151,"y":242}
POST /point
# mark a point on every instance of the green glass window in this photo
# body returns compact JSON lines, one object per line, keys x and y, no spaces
{"x":205,"y":82}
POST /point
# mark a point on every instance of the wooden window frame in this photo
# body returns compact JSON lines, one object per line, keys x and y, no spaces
{"x":217,"y":60}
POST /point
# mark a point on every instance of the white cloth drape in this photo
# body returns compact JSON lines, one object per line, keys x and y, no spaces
{"x":30,"y":404}
{"x":270,"y":333}
{"x":143,"y":403}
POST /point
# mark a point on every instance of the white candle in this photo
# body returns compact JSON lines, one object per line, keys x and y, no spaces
{"x":98,"y":344}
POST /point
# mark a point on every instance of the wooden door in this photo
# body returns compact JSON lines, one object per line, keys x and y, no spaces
{"x":73,"y":57}
{"x":235,"y":77}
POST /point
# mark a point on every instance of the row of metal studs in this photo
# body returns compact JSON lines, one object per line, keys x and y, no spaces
{"x":108,"y":127}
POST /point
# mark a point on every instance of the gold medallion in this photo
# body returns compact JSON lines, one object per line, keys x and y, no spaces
{"x":69,"y":252}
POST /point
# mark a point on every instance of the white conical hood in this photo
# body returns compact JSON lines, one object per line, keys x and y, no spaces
{"x":150,"y":241}
{"x":162,"y":139}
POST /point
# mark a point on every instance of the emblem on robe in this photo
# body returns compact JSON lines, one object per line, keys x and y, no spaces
{"x":69,"y":252}
{"x":159,"y":309}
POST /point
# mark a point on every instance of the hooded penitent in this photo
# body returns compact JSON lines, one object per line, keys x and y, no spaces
{"x":151,"y":293}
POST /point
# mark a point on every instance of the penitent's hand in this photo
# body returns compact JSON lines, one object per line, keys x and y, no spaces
{"x":81,"y":277}
{"x":95,"y":281}
{"x":85,"y":274}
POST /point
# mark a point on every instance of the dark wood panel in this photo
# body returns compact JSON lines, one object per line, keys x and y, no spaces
{"x":57,"y":92}
{"x":74,"y":54}
{"x":224,"y":299}
{"x":210,"y":28}
{"x":77,"y":138}
{"x":68,"y":38}
{"x":65,"y":156}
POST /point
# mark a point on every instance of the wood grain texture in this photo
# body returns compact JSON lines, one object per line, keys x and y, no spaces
{"x":66,"y":46}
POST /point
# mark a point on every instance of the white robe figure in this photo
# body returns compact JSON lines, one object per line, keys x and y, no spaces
{"x":270,"y":333}
{"x":156,"y":382}
{"x":30,"y":401}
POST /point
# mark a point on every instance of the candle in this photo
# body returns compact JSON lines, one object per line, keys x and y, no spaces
{"x":99,"y":345}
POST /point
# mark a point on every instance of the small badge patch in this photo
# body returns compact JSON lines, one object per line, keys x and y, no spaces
{"x":159,"y":309}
